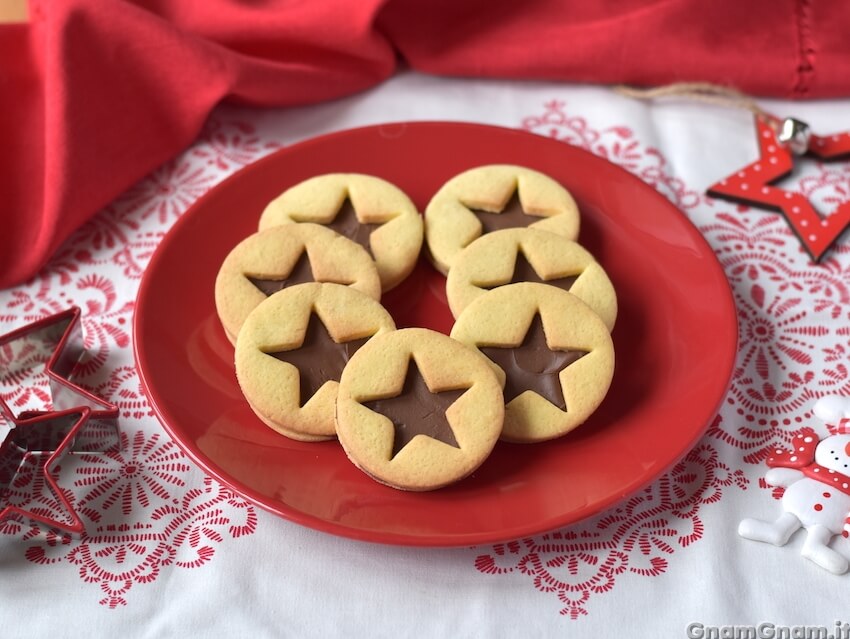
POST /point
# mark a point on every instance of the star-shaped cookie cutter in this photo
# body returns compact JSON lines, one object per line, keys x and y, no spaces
{"x":77,"y":420}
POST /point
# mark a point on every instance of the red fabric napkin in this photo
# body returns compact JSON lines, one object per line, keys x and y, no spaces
{"x":96,"y":93}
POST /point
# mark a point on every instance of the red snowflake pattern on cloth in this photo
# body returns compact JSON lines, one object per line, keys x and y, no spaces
{"x":790,"y":351}
{"x":141,"y":514}
{"x":636,"y":538}
{"x":118,"y":555}
{"x":167,"y":192}
{"x":27,"y":306}
{"x":134,"y":474}
{"x":229,"y":145}
{"x":141,"y":503}
{"x":733,"y":232}
{"x":133,"y":256}
{"x":124,"y":389}
{"x":616,"y":144}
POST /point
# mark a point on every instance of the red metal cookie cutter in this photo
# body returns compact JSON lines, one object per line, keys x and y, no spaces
{"x":77,"y":420}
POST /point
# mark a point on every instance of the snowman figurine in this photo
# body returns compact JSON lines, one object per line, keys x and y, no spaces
{"x":816,"y":478}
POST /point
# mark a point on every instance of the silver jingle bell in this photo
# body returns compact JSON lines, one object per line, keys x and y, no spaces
{"x":795,"y":135}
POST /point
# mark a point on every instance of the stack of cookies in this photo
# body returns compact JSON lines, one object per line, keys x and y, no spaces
{"x":317,"y":356}
{"x":525,"y":294}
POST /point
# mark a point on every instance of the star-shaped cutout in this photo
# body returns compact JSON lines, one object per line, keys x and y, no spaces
{"x":345,"y":223}
{"x":753,"y":185}
{"x":533,"y":365}
{"x":417,"y":410}
{"x":79,"y":419}
{"x":301,"y":272}
{"x":525,"y":272}
{"x":319,"y":358}
{"x":512,"y":215}
{"x":47,"y":436}
{"x":64,"y":332}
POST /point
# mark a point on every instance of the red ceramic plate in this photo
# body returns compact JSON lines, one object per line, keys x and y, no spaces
{"x":675,"y":341}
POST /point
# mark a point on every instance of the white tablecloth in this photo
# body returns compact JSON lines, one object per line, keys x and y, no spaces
{"x":169,"y":552}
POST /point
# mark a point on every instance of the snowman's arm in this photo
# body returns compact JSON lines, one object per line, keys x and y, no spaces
{"x":782,"y":476}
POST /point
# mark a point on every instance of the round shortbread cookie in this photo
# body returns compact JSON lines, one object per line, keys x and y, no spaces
{"x":366,"y":209}
{"x":489,"y":198}
{"x":517,"y":255}
{"x":291,"y":351}
{"x":553,"y":355}
{"x":418,"y":410}
{"x":284,"y":256}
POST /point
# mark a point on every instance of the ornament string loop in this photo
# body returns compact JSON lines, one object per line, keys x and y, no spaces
{"x":705,"y":92}
{"x":781,"y":141}
{"x":790,"y":132}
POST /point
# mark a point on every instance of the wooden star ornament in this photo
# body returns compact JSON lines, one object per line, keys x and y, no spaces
{"x":780,"y":141}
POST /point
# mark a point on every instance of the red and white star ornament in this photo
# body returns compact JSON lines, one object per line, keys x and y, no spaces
{"x":780,"y":141}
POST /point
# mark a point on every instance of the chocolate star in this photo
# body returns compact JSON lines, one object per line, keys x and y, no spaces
{"x":417,"y":410}
{"x":346,"y":223}
{"x":301,"y":272}
{"x":319,"y":358}
{"x":512,"y":215}
{"x":524,"y":272}
{"x":533,"y":365}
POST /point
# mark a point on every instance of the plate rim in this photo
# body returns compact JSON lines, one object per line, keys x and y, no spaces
{"x":393,"y":538}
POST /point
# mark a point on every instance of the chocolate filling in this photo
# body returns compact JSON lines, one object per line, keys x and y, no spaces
{"x":524,"y":272}
{"x":417,"y":411}
{"x":533,"y":365}
{"x":301,"y":272}
{"x":346,"y":223}
{"x":512,"y":215}
{"x":319,"y":358}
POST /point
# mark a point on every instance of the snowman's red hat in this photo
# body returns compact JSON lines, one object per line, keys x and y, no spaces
{"x":841,"y":428}
{"x":834,"y":411}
